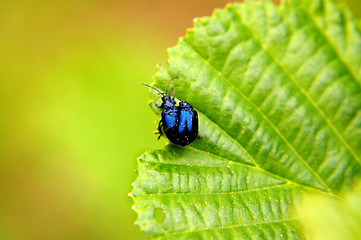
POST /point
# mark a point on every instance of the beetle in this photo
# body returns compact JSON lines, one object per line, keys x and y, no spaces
{"x":179,"y":123}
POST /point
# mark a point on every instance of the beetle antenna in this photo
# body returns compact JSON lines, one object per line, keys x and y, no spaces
{"x":153,"y":88}
{"x":169,"y":82}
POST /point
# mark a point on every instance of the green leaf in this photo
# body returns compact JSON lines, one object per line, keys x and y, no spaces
{"x":332,"y":219}
{"x":278,"y":92}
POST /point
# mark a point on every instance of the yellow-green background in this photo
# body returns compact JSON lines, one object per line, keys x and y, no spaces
{"x":73,"y":115}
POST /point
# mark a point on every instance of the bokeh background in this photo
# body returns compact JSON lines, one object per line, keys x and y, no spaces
{"x":73,"y":115}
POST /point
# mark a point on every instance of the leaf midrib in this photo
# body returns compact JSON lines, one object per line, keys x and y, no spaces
{"x":269,"y":173}
{"x":222,"y":193}
{"x":226,"y":160}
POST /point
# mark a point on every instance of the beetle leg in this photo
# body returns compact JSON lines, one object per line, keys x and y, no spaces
{"x":160,"y":132}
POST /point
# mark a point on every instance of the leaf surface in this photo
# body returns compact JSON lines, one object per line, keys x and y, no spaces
{"x":278,"y":94}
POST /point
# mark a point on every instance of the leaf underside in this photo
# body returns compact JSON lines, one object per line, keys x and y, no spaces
{"x":278,"y":93}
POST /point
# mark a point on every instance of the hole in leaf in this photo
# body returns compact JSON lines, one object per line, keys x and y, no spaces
{"x":159,"y":215}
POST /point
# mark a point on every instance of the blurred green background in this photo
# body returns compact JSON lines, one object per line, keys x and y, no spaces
{"x":73,"y":115}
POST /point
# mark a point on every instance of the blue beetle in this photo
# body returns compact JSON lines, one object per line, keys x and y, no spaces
{"x":179,"y":123}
